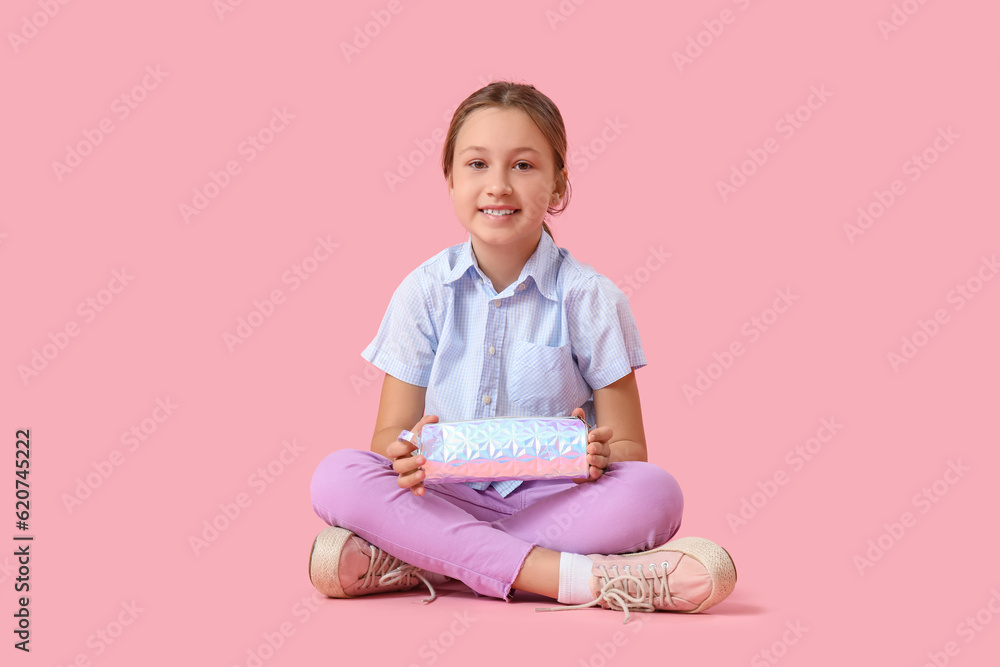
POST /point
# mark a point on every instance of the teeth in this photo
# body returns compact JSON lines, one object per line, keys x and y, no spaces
{"x":493,"y":211}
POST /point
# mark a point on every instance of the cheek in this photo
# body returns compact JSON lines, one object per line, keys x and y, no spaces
{"x":538,"y":200}
{"x":463,"y":195}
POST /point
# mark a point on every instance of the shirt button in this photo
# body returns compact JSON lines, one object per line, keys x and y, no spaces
{"x":521,"y":286}
{"x":493,"y":350}
{"x":486,"y":399}
{"x":496,"y":303}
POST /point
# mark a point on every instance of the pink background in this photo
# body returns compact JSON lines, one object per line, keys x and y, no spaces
{"x":300,"y":375}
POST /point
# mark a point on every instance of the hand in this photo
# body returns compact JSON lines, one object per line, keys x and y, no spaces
{"x":598,"y":451}
{"x":405,"y":464}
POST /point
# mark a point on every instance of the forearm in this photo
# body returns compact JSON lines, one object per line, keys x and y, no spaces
{"x":385,"y":437}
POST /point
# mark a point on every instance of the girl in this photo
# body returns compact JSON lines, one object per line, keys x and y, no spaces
{"x":508,"y":323}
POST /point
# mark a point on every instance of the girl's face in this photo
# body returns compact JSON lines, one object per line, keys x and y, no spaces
{"x":502,"y":162}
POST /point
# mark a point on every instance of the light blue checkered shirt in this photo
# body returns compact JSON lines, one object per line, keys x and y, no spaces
{"x":537,"y":349}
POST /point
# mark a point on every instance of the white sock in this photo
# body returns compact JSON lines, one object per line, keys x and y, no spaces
{"x":574,"y":578}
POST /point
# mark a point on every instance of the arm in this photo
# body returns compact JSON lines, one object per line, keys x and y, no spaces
{"x":400,"y":407}
{"x":617,"y":406}
{"x":618,"y":435}
{"x":602,"y":327}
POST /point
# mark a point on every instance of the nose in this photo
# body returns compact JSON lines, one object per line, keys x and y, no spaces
{"x":499,"y":184}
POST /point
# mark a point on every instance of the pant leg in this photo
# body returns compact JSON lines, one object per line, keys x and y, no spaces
{"x":633,"y":506}
{"x":447,"y":530}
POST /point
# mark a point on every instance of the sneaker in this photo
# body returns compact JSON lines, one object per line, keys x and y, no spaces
{"x":688,"y":575}
{"x":342,"y":565}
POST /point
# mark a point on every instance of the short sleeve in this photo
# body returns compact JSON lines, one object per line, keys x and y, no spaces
{"x":603,"y":332}
{"x":406,"y":341}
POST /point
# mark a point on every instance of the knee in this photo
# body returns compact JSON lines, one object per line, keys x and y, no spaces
{"x":334,"y":482}
{"x":656,"y":501}
{"x":656,"y":491}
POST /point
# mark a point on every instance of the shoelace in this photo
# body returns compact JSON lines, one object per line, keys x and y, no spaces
{"x":391,"y":570}
{"x":615,"y":590}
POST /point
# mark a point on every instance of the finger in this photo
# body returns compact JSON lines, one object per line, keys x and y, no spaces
{"x":399,"y":448}
{"x":405,"y":465}
{"x":408,"y":480}
{"x":600,"y":433}
{"x":599,"y":448}
{"x":598,"y":461}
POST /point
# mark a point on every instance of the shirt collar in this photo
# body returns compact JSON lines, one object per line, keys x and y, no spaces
{"x":542,"y":266}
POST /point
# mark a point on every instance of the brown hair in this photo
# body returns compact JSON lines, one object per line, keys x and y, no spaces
{"x":542,"y":111}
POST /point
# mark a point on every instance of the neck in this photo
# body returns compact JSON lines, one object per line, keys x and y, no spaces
{"x":503,"y":265}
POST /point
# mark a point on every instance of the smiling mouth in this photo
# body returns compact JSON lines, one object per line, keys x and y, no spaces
{"x":499,"y":213}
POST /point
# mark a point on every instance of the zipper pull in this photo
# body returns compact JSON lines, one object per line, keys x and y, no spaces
{"x":411,"y":438}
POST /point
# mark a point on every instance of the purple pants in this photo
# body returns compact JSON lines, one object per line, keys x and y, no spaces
{"x":481,"y":538}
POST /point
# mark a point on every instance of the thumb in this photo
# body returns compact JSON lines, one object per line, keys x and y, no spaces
{"x":424,"y":420}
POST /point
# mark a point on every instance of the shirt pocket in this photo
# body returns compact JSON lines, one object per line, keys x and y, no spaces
{"x":544,"y":380}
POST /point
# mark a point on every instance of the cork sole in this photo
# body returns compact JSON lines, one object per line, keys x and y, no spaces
{"x":324,"y":561}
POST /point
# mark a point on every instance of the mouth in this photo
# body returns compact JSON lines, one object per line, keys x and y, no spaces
{"x":499,"y":213}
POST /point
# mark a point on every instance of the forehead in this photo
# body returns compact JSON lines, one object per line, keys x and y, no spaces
{"x":500,"y":130}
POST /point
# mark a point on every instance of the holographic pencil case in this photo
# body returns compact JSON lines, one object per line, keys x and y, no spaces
{"x":502,"y":448}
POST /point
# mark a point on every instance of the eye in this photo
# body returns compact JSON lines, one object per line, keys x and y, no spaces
{"x":474,"y":162}
{"x":525,"y":164}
